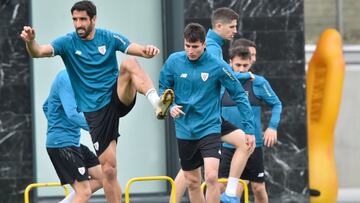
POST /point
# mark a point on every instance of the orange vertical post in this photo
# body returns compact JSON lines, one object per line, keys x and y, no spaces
{"x":324,"y":83}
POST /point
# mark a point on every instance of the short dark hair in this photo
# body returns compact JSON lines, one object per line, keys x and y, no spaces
{"x":223,"y":15}
{"x":194,"y":32}
{"x":240,"y":51}
{"x":85,"y":5}
{"x":243,"y":42}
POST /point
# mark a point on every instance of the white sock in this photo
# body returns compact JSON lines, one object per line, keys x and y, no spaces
{"x":69,"y":198}
{"x":153,"y":97}
{"x":231,"y":186}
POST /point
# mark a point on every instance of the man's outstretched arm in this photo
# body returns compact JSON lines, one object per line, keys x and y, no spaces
{"x":146,"y":51}
{"x":34,"y":49}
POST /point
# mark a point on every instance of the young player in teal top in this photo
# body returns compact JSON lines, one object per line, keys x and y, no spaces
{"x":197,"y":86}
{"x":103,"y":91}
{"x":73,"y":162}
{"x":196,"y":76}
{"x":259,"y":91}
{"x":224,"y":23}
{"x":224,"y":27}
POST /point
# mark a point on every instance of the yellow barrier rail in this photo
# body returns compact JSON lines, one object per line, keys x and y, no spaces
{"x":150,"y":178}
{"x":34,"y":185}
{"x":224,"y":180}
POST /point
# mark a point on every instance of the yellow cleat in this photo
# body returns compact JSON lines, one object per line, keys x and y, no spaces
{"x":166,"y":100}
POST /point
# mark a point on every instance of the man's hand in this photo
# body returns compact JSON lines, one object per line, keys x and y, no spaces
{"x":34,"y":49}
{"x":176,"y":111}
{"x":146,"y":51}
{"x":28,"y":34}
{"x":270,"y":137}
{"x":250,"y":142}
{"x":151,"y":51}
{"x":252,"y":76}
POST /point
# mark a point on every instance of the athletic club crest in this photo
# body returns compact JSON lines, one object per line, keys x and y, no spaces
{"x":81,"y":170}
{"x":204,"y":76}
{"x":102,"y":49}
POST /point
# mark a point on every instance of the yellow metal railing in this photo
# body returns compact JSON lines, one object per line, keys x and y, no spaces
{"x":34,"y":185}
{"x":150,"y":178}
{"x":242,"y":182}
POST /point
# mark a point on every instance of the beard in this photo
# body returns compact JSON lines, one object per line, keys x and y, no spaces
{"x":84,"y":32}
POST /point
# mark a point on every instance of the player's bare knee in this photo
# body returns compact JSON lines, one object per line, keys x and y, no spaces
{"x":211,"y":178}
{"x":109,"y":170}
{"x":110,"y":173}
{"x":129,"y":65}
{"x":258,"y":189}
{"x":239,"y":144}
{"x":124,"y":75}
{"x":235,"y":138}
{"x":192,"y":183}
{"x":124,"y":67}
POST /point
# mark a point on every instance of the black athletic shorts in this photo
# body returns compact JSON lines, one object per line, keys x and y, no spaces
{"x":193,"y":152}
{"x":254,"y":169}
{"x":104,"y":123}
{"x":72,"y":163}
{"x":227,"y":127}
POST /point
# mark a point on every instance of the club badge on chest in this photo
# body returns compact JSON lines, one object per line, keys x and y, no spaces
{"x":102,"y":49}
{"x":204,"y":76}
